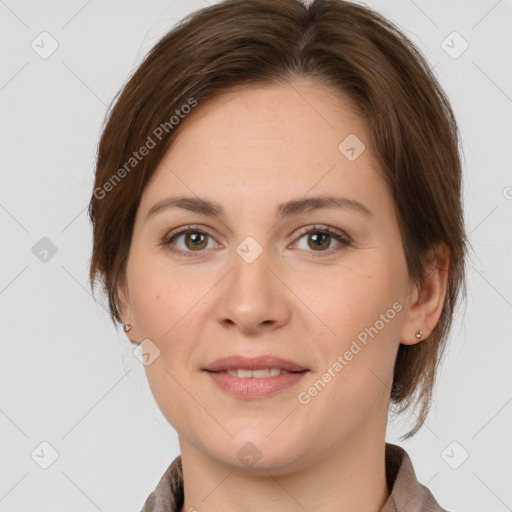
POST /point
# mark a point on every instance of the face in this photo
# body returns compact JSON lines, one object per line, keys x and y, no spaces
{"x":320,"y":285}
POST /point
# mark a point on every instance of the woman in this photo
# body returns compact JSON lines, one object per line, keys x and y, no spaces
{"x":278,"y":225}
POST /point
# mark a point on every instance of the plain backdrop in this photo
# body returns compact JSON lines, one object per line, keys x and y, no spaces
{"x":72,"y":395}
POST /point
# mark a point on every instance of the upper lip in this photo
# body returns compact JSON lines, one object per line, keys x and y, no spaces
{"x":235,"y":362}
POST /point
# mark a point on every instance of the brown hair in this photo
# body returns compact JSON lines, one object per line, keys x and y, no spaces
{"x":352,"y":49}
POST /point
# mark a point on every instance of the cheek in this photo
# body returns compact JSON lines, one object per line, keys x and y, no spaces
{"x":361,"y":305}
{"x":167,"y":309}
{"x":352,"y":384}
{"x":350,"y":297}
{"x":162,"y":295}
{"x":170,"y":391}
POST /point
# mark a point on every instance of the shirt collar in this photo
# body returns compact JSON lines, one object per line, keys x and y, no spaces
{"x":407,"y":494}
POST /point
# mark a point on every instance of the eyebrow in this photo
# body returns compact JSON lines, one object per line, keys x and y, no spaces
{"x":286,"y":209}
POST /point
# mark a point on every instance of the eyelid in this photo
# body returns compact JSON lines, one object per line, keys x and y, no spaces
{"x":324,"y":229}
{"x":200,"y":228}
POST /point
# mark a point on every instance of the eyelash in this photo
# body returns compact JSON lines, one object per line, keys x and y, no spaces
{"x":327,"y":230}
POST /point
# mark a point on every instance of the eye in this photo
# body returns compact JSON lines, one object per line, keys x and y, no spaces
{"x":320,"y":239}
{"x":190,"y":239}
{"x":193,"y":240}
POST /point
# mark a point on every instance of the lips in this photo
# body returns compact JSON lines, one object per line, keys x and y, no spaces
{"x":236,"y":362}
{"x":248,"y":378}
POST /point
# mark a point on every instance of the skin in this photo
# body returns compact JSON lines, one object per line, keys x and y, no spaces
{"x":272,"y":144}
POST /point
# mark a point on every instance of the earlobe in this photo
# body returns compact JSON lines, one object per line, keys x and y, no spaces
{"x":428,"y":298}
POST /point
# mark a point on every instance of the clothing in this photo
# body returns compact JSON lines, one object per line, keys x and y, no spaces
{"x":407,"y":494}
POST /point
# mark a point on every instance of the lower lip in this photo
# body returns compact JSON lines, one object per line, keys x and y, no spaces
{"x":253,"y":387}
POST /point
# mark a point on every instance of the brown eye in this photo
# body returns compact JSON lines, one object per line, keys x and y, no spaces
{"x":195,"y":240}
{"x":320,"y":240}
{"x":188,"y":241}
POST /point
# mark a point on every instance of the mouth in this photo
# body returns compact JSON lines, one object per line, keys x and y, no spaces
{"x":260,"y":373}
{"x":257,"y":377}
{"x":260,"y":364}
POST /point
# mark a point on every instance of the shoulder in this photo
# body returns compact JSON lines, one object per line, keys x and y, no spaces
{"x":407,"y":493}
{"x":168,"y":494}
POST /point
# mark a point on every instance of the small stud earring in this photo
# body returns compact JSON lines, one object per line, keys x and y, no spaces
{"x":127,"y":327}
{"x":419,"y":334}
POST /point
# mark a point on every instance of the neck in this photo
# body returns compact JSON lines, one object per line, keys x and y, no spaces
{"x":346,"y":479}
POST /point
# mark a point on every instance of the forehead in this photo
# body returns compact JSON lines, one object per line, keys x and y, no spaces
{"x":275,"y":115}
{"x":267,"y":141}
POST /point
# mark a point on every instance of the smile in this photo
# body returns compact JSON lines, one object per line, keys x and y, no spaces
{"x":257,"y":374}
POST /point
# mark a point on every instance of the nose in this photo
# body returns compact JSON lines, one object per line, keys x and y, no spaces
{"x":253,"y":296}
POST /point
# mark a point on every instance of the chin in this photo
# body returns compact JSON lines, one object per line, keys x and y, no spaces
{"x":259,"y":453}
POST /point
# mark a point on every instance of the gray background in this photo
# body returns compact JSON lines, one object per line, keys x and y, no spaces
{"x":64,"y":374}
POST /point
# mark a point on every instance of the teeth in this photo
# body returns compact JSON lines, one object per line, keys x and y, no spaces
{"x":257,"y":374}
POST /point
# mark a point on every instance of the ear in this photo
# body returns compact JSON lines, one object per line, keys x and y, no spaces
{"x":126,"y":309}
{"x":427,"y":297}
